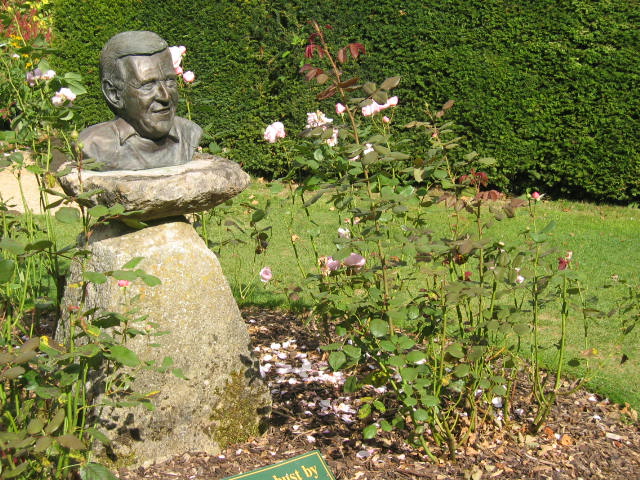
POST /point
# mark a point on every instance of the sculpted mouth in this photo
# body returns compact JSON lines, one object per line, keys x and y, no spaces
{"x":161,"y":107}
{"x":163,"y":114}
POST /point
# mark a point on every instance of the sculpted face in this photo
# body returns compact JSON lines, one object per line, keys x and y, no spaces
{"x":150,"y":93}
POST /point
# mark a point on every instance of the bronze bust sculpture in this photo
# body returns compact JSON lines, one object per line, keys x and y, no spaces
{"x":139,"y":84}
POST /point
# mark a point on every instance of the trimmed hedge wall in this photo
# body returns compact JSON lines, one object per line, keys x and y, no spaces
{"x":550,"y":88}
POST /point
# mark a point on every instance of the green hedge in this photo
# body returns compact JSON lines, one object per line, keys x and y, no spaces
{"x":549,"y":88}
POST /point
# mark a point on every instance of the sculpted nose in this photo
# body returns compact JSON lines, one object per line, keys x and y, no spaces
{"x":162,"y":93}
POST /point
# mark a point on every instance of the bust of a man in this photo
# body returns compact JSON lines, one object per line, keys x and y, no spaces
{"x":139,"y":84}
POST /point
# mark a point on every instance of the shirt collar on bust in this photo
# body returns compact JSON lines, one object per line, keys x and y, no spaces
{"x":126,"y":131}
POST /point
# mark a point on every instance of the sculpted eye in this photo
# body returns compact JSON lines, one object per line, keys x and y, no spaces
{"x":147,"y":87}
{"x":151,"y":86}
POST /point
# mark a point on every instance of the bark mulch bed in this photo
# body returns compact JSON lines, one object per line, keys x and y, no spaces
{"x":586,"y":437}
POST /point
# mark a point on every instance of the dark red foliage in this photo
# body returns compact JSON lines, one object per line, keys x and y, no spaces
{"x":491,"y":195}
{"x":312,"y":47}
{"x":356,"y":49}
{"x":475,"y":178}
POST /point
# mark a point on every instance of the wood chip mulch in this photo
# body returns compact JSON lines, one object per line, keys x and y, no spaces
{"x":586,"y":437}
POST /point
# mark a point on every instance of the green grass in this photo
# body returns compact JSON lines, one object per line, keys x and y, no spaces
{"x":602,"y":239}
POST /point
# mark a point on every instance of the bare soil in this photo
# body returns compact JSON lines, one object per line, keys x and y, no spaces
{"x":586,"y":437}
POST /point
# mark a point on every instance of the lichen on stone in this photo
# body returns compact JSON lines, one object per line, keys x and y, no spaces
{"x":236,"y":418}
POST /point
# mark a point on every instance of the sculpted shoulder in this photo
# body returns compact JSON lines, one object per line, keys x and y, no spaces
{"x":100,"y":140}
{"x":189,"y":131}
{"x":97,"y":130}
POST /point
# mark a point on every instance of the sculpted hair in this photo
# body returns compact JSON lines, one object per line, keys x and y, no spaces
{"x":126,"y":44}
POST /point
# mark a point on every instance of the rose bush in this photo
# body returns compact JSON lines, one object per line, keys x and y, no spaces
{"x":430,"y":327}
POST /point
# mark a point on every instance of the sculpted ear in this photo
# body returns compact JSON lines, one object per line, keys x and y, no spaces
{"x":112,"y":94}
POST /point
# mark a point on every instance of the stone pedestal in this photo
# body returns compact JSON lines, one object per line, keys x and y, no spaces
{"x":223,"y":399}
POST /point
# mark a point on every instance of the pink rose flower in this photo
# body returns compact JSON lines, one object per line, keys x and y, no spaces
{"x":317,"y":119}
{"x":332,"y":264}
{"x":332,"y":141}
{"x":58,"y":100}
{"x":188,"y":76}
{"x":67,"y":93}
{"x":563,"y":262}
{"x":63,"y":95}
{"x":537,"y":196}
{"x":124,"y":283}
{"x":374,"y":107}
{"x":176,"y":56}
{"x":354,"y":261}
{"x":33,"y":76}
{"x":266,"y":274}
{"x":344,"y":233}
{"x":328,"y":265}
{"x":371,"y":109}
{"x":274,"y":131}
{"x":391,"y":102}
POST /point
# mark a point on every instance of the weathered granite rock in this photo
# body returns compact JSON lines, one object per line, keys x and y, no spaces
{"x":224,"y":398}
{"x":198,"y":185}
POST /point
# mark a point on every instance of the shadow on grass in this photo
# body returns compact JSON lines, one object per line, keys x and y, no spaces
{"x":269,"y":300}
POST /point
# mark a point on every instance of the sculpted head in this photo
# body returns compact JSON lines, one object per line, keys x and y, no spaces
{"x":139,"y":82}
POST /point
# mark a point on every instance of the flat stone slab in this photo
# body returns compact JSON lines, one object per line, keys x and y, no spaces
{"x":195,"y":186}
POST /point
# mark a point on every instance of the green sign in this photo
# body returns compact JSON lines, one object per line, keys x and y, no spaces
{"x":309,"y":466}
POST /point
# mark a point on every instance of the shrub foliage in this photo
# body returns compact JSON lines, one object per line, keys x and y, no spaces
{"x":548,"y":88}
